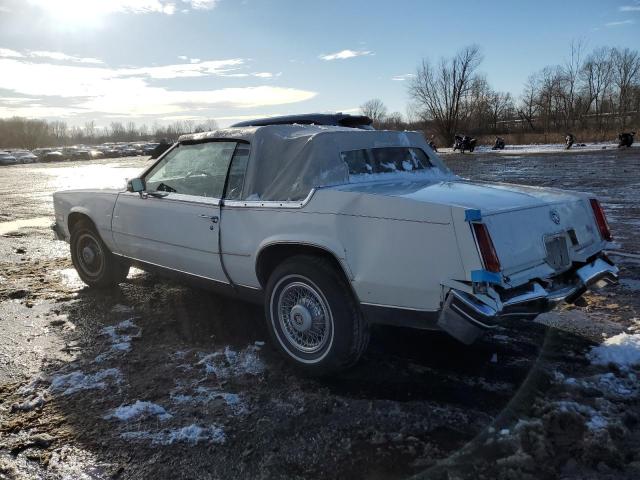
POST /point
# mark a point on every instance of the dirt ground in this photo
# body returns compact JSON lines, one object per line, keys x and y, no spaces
{"x":158,"y":380}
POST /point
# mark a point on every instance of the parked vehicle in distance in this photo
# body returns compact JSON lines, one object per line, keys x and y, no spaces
{"x":24,"y":156}
{"x":7,"y":159}
{"x":149,"y":148}
{"x":52,"y":156}
{"x":333,"y":229}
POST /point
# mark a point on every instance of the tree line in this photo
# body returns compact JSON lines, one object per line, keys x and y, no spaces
{"x":18,"y":132}
{"x":592,"y":94}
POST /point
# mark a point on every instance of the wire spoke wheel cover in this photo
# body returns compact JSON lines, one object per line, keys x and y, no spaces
{"x":302,"y":318}
{"x":90,"y":255}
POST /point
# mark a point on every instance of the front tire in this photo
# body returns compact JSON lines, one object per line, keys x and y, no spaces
{"x":313,"y":317}
{"x":94,"y":262}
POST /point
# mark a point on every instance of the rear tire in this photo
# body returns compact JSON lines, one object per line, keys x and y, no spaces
{"x":313,"y":317}
{"x":94,"y":262}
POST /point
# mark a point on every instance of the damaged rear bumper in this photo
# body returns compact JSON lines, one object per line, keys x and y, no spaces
{"x":466,"y":316}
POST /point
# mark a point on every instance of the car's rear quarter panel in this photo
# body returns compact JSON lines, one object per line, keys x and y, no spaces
{"x":397,"y":252}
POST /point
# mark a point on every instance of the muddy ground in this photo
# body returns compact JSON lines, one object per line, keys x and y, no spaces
{"x":158,"y":380}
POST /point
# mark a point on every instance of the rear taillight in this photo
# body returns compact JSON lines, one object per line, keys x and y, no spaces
{"x":601,"y":220}
{"x":487,"y":250}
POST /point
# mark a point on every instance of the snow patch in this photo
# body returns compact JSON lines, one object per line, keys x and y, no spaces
{"x":622,"y":350}
{"x":191,"y":434}
{"x":125,"y":413}
{"x":31,"y":403}
{"x":594,"y":419}
{"x":229,"y":363}
{"x":76,"y":381}
{"x":120,"y":341}
{"x":204,"y":395}
{"x":70,"y":278}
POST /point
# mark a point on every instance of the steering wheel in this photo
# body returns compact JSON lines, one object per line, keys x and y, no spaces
{"x":193,"y":173}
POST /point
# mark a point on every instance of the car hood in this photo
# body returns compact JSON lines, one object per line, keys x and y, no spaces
{"x":485,"y":196}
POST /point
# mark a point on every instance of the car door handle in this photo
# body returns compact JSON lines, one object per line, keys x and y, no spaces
{"x":214,"y":218}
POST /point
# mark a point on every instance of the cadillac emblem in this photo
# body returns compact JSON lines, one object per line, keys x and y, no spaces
{"x":555,"y":217}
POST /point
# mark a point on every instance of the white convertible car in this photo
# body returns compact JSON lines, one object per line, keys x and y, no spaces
{"x":335,"y":228}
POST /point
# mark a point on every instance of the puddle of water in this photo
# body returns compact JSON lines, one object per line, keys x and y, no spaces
{"x":630,"y":284}
{"x":9,"y":227}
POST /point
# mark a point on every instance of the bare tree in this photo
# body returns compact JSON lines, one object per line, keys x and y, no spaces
{"x":118,"y":131}
{"x":90,"y":129}
{"x":440,"y":90}
{"x":568,"y":77}
{"x":528,"y":101}
{"x":626,"y":73}
{"x":375,"y":110}
{"x":500,"y":105}
{"x":59,"y":130}
{"x":393,"y":121}
{"x":596,"y":75}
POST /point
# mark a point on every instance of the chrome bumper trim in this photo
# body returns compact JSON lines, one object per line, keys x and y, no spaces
{"x":465,"y":317}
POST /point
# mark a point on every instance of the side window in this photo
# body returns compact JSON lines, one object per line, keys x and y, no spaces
{"x":193,"y":169}
{"x":237,"y":172}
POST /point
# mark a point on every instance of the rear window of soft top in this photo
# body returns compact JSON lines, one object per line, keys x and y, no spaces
{"x":385,"y":160}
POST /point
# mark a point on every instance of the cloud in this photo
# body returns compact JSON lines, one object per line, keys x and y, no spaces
{"x":618,"y":24}
{"x":630,"y":8}
{"x":93,"y":8}
{"x":63,"y":56}
{"x":99,"y":90}
{"x":183,"y":70}
{"x":201,"y":4}
{"x":8,"y":53}
{"x":344,"y":54}
{"x":101,"y":7}
{"x":403,"y":77}
{"x":266,"y":74}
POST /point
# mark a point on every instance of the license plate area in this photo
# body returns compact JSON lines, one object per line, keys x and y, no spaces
{"x":557,"y":252}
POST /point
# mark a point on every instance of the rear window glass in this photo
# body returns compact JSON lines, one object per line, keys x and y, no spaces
{"x":385,"y":160}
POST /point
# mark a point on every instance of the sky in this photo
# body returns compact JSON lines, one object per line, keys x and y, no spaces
{"x":165,"y":60}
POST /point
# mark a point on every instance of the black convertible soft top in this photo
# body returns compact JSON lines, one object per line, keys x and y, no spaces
{"x":333,"y":119}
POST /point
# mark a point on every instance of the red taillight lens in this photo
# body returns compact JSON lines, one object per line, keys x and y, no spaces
{"x":487,"y":250}
{"x":601,"y":220}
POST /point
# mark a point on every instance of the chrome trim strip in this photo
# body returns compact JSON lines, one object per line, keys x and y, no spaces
{"x":470,"y":318}
{"x":590,"y":273}
{"x":537,"y":294}
{"x":172,"y":269}
{"x":369,"y":304}
{"x":481,"y":308}
{"x":269,"y":203}
{"x":247,"y":286}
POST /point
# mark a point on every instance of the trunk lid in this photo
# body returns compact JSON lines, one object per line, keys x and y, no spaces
{"x":529,"y":226}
